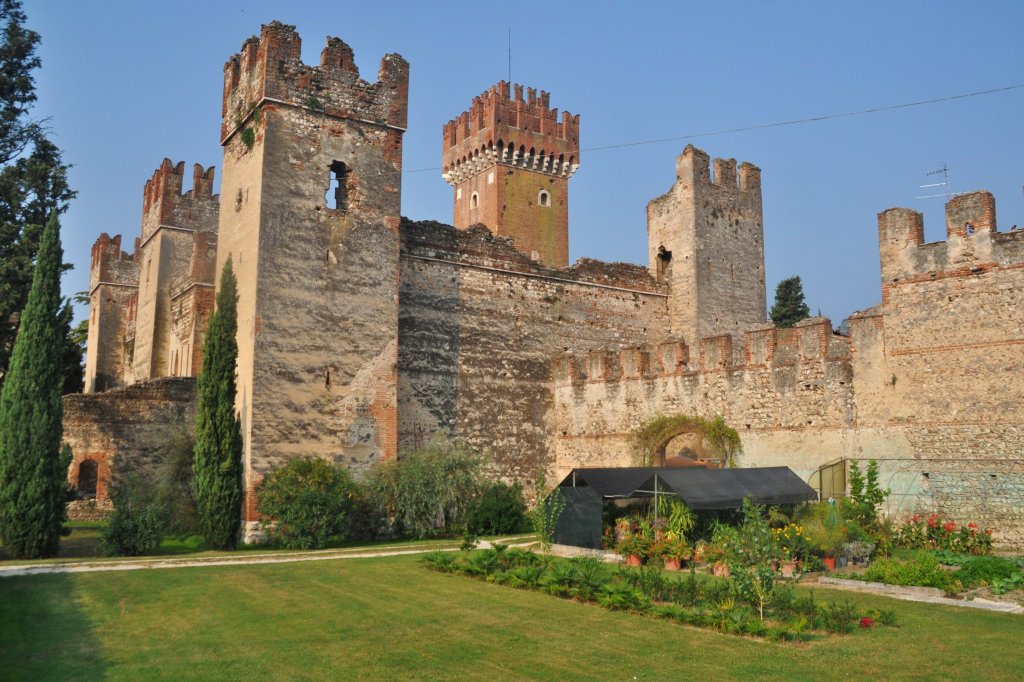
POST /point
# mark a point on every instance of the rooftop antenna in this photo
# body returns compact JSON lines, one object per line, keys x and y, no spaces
{"x":510,"y":55}
{"x":942,"y":170}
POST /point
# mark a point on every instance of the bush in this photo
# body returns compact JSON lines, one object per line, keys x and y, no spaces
{"x":428,"y":491}
{"x":500,"y":509}
{"x":307,"y":501}
{"x":138,"y":522}
{"x":174,"y":483}
{"x":922,"y":570}
{"x":987,"y":570}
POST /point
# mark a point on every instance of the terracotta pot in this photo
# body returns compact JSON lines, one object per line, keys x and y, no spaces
{"x":634,"y":560}
{"x":788,"y":569}
{"x":830,"y":563}
{"x":720,"y":569}
{"x":673,"y":564}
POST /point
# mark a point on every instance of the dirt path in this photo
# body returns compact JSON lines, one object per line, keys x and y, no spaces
{"x":223,"y":560}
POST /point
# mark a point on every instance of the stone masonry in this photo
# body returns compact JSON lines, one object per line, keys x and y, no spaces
{"x":362,"y":334}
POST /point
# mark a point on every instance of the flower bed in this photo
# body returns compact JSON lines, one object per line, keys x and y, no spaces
{"x":935,"y":532}
{"x":926,"y":569}
{"x":691,"y":599}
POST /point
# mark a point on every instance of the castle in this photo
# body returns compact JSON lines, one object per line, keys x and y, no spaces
{"x":362,"y":334}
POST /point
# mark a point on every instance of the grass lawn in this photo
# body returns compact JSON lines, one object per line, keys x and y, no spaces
{"x":390,"y":618}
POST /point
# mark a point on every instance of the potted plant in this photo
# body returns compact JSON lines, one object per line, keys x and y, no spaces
{"x":723,"y":539}
{"x":673,"y":550}
{"x":635,"y":547}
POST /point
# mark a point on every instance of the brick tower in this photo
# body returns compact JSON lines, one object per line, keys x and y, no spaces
{"x":310,"y":218}
{"x":510,"y":161}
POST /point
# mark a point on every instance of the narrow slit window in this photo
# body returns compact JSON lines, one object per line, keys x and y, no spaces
{"x":474,"y":200}
{"x":337,"y":196}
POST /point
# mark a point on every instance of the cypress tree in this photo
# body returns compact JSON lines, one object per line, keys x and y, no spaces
{"x":33,"y":467}
{"x":789,"y":306}
{"x":218,"y":453}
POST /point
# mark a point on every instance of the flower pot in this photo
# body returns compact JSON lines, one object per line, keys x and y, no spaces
{"x":788,"y":569}
{"x":634,"y":560}
{"x":673,"y":564}
{"x":720,"y":569}
{"x":841,"y":562}
{"x":830,"y":563}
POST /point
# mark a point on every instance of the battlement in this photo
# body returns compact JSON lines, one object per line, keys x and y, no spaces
{"x":811,"y":340}
{"x":505,"y":128}
{"x":269,"y":68}
{"x":973,"y":243}
{"x":164,"y":203}
{"x":111,"y":265}
{"x":694,"y":166}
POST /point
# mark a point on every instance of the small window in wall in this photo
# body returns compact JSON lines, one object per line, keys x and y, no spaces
{"x":543,"y":198}
{"x":88,"y":475}
{"x":337,"y":191}
{"x":474,"y":200}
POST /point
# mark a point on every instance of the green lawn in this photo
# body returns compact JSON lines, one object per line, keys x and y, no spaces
{"x":389,"y":618}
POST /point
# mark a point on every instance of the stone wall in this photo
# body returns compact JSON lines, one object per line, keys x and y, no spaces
{"x":788,"y":392}
{"x":479,"y":321}
{"x":123,"y":429}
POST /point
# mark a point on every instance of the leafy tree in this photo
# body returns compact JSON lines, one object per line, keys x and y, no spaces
{"x":33,"y":177}
{"x":33,"y":467}
{"x":218,"y":453}
{"x":790,"y":306}
{"x":74,"y":349}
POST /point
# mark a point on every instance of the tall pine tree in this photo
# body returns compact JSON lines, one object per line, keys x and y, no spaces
{"x":33,"y":467}
{"x":789,"y":306}
{"x":33,"y":177}
{"x":218,"y":454}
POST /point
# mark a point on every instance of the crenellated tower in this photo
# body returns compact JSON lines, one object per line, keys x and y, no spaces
{"x":310,"y":218}
{"x":172,"y":220}
{"x":113,"y":288}
{"x":706,"y":240}
{"x":509,"y":159}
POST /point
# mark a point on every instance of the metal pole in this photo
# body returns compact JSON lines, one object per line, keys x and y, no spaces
{"x":655,"y":498}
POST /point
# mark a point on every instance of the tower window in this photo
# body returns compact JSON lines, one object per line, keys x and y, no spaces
{"x":474,"y":200}
{"x":337,"y":191}
{"x":543,"y":198}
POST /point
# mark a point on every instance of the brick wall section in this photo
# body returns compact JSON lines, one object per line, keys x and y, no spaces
{"x":479,"y":321}
{"x":123,"y":428}
{"x":318,"y":306}
{"x":713,"y":229}
{"x":113,"y":286}
{"x":505,"y":151}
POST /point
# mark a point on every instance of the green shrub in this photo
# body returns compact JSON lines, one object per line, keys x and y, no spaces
{"x":306,"y":503}
{"x":499,"y":509}
{"x":428,"y":491}
{"x":138,"y":522}
{"x":174,"y":482}
{"x":922,"y":570}
{"x":985,"y":570}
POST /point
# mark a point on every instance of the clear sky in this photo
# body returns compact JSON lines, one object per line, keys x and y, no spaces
{"x":128,"y":83}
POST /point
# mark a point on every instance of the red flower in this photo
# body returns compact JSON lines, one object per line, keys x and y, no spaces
{"x":866,"y":622}
{"x":972,"y":525}
{"x":988,"y":531}
{"x":933,"y":520}
{"x":916,"y":519}
{"x":949,"y":527}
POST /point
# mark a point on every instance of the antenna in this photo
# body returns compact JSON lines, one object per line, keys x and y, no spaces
{"x":510,"y":55}
{"x":942,"y":170}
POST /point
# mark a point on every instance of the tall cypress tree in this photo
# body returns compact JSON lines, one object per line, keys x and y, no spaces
{"x":33,"y":468}
{"x":790,"y":306}
{"x":218,"y":454}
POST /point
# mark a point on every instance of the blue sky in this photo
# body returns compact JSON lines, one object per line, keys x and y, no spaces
{"x":127,"y":83}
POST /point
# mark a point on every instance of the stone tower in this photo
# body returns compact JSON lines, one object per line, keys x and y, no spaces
{"x":113,"y":288}
{"x":510,"y":161}
{"x":171,"y":224}
{"x":706,"y":240}
{"x":310,"y":219}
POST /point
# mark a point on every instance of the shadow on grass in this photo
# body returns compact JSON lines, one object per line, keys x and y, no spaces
{"x":45,"y":633}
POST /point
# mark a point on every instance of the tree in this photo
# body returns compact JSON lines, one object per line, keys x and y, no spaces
{"x":33,"y":177}
{"x":33,"y":467}
{"x":218,"y":453}
{"x":789,"y":306}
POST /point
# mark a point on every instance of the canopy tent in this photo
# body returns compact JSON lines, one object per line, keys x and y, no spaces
{"x":700,"y":489}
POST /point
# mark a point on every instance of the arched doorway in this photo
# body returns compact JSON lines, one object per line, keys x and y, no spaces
{"x":88,"y":478}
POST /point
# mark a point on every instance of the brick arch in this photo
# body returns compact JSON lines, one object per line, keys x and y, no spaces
{"x":102,"y":470}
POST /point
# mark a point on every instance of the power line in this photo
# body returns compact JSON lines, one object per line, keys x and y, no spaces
{"x":780,"y":124}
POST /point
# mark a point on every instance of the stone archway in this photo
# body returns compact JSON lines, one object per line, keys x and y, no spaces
{"x":695,"y":438}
